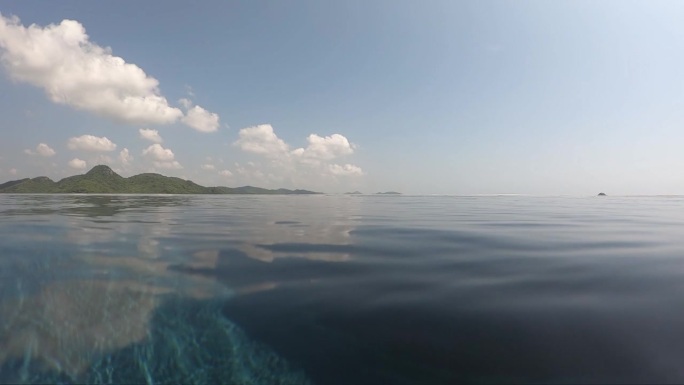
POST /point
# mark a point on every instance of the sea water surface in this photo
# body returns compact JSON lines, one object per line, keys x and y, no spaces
{"x":328,"y":289}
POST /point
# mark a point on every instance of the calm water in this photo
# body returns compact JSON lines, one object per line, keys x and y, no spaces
{"x":341,"y":289}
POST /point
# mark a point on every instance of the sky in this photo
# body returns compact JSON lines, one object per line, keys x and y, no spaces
{"x":436,"y":97}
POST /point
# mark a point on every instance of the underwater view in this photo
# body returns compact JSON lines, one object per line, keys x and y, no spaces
{"x":329,"y":289}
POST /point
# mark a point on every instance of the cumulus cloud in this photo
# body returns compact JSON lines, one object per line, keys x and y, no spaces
{"x":150,"y":134}
{"x":159,"y":153}
{"x":225,"y":173}
{"x":162,"y":157}
{"x":345,"y":170}
{"x":201,"y":119}
{"x":42,"y":149}
{"x":125,"y":157}
{"x":325,"y":148}
{"x":207,"y":166}
{"x":73,"y":71}
{"x":310,"y":164}
{"x":77,"y":164}
{"x":261,"y":140}
{"x":91,"y":143}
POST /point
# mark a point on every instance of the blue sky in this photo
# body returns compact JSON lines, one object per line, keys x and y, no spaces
{"x":437,"y":97}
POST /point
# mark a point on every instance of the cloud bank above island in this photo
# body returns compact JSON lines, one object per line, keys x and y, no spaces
{"x":73,"y":71}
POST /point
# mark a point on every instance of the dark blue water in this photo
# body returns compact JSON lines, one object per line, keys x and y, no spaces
{"x":341,"y":289}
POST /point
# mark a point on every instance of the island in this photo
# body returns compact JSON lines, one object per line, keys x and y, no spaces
{"x":602,"y":194}
{"x":103,"y":180}
{"x":354,"y":193}
{"x":388,"y":193}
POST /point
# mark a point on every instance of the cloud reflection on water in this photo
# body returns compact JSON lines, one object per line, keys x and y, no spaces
{"x":70,"y":321}
{"x":68,"y":324}
{"x":113,"y":261}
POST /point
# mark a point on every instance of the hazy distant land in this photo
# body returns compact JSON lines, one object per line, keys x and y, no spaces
{"x":377,"y":193}
{"x":103,"y":180}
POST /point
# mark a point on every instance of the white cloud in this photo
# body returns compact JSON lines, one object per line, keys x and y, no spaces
{"x":225,"y":173}
{"x":72,"y":70}
{"x":125,"y":157}
{"x":201,"y":119}
{"x":158,"y":153}
{"x":13,"y":171}
{"x":208,"y":166}
{"x":162,"y":157}
{"x":150,"y":134}
{"x":78,"y":164}
{"x":261,"y":140}
{"x":174,"y":165}
{"x":42,"y":149}
{"x":325,"y":148}
{"x":306,"y":166}
{"x":91,"y":143}
{"x":345,"y":170}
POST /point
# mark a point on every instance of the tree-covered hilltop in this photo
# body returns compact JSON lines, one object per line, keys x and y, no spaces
{"x":103,"y":180}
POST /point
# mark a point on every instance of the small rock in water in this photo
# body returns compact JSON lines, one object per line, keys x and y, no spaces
{"x":601,"y":194}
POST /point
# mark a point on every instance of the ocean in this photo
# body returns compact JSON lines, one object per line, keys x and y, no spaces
{"x":341,"y":289}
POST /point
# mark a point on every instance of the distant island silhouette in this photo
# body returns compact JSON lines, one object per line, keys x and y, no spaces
{"x":601,"y":194}
{"x":354,"y":193}
{"x":388,"y":193}
{"x":103,"y":180}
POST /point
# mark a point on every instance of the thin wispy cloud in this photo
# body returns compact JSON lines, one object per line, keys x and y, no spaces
{"x":125,"y":157}
{"x":41,"y":149}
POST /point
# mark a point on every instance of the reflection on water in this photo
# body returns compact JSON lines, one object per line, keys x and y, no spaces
{"x":121,"y":340}
{"x":93,"y":284}
{"x":67,"y":324}
{"x":340,"y":289}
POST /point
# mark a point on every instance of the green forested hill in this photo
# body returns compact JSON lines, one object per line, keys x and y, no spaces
{"x":103,"y":180}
